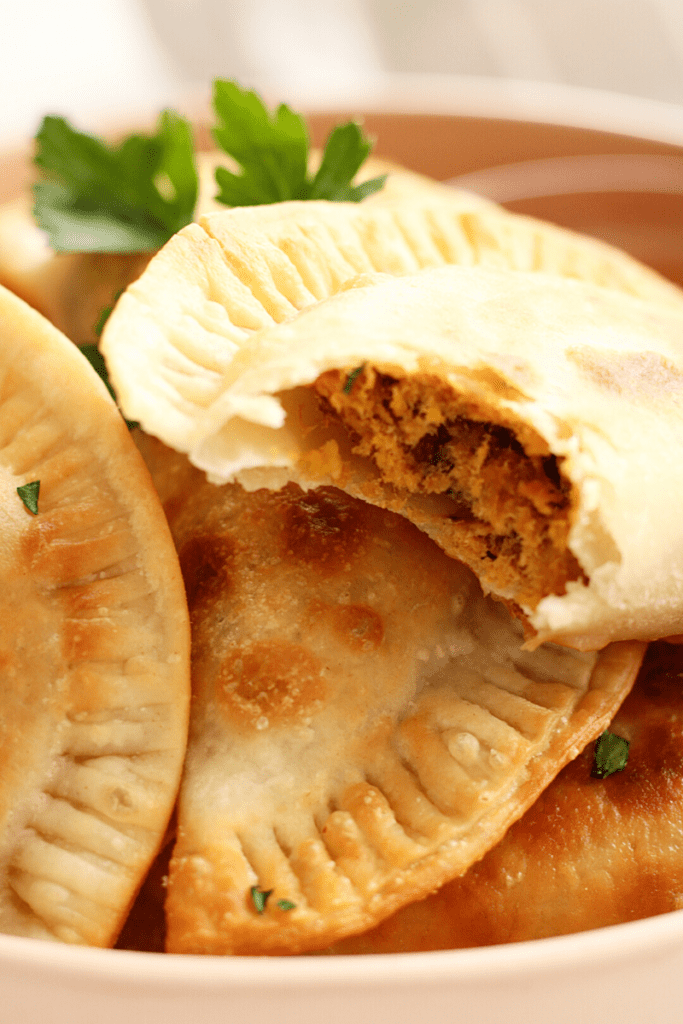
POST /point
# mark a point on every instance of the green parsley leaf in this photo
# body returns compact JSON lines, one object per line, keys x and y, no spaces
{"x":260,"y":898}
{"x":345,"y":151}
{"x":611,"y":755}
{"x":285,"y":905}
{"x":101,"y":321}
{"x":132,"y":197}
{"x":29,"y":495}
{"x":98,"y":326}
{"x":272,"y":149}
{"x":127,"y":198}
{"x":94,"y":357}
{"x":350,"y":380}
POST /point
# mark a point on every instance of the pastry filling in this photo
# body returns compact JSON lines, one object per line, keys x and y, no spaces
{"x":506,"y":508}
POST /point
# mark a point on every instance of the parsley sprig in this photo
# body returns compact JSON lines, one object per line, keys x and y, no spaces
{"x":273,"y":148}
{"x":133,"y":196}
{"x":127,"y":198}
{"x":96,"y":360}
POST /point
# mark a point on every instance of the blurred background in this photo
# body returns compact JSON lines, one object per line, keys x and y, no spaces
{"x":94,"y":60}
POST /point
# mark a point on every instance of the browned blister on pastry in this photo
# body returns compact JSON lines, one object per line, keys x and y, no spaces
{"x":365,"y":724}
{"x":94,"y":648}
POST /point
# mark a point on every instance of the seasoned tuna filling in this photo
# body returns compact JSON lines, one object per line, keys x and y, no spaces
{"x":507,"y":507}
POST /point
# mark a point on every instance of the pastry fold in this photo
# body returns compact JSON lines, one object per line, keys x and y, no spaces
{"x":174,"y":334}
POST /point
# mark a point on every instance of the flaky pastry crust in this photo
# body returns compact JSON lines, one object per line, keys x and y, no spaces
{"x":94,"y":650}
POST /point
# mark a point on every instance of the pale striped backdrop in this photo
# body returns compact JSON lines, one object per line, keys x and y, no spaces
{"x":90,"y":59}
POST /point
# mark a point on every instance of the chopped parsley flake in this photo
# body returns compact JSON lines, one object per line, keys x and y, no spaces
{"x":285,"y":905}
{"x":259,"y":898}
{"x":350,"y":380}
{"x":611,"y":755}
{"x":29,"y":495}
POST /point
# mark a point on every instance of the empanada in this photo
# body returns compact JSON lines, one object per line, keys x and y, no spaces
{"x":171,"y":342}
{"x":532,"y":425}
{"x":365,"y":724}
{"x":94,"y":647}
{"x":589,"y":853}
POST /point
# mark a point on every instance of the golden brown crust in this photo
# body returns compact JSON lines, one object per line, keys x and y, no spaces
{"x":239,"y":315}
{"x":588,"y":854}
{"x":364,"y":721}
{"x":94,"y":651}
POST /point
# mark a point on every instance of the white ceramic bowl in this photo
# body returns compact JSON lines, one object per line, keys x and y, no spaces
{"x":597,"y":162}
{"x":629,"y":973}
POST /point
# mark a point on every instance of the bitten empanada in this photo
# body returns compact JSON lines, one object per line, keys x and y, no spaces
{"x":94,"y":647}
{"x":365,"y":724}
{"x":510,"y":413}
{"x":532,"y":425}
{"x":174,"y":336}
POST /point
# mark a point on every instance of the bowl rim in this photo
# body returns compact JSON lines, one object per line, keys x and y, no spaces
{"x":519,"y":961}
{"x":514,"y":99}
{"x":422,"y":93}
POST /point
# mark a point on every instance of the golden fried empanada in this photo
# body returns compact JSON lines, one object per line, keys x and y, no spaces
{"x":94,"y":648}
{"x":532,"y":425}
{"x":589,"y":853}
{"x":365,"y":724}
